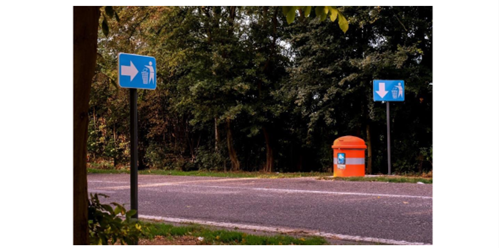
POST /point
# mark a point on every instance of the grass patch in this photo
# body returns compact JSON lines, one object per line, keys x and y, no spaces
{"x":224,"y":237}
{"x":389,"y":179}
{"x":211,"y":173}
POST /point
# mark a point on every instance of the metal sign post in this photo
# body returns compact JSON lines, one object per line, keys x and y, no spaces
{"x":388,"y":91}
{"x":388,"y":148}
{"x":133,"y":148}
{"x":129,"y":66}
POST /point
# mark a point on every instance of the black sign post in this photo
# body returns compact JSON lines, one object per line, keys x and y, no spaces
{"x":388,"y":138}
{"x":133,"y":148}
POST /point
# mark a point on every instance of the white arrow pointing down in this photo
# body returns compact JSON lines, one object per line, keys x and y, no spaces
{"x":382,"y":92}
{"x":130,"y":71}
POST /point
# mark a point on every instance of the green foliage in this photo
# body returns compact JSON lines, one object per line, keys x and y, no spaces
{"x":342,"y":21}
{"x":321,"y":12}
{"x":104,"y":144}
{"x":293,"y":88}
{"x":307,"y":10}
{"x":157,"y":156}
{"x":331,"y":86}
{"x":289,"y":12}
{"x":109,"y":11}
{"x":427,"y":154}
{"x":207,"y":159}
{"x":106,"y":225}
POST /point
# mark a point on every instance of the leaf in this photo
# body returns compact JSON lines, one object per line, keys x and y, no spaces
{"x":119,"y":209}
{"x":109,"y":11}
{"x":108,"y":208}
{"x":308,"y":9}
{"x":130,"y":213}
{"x":114,"y":83}
{"x":320,"y":12}
{"x":105,"y":27}
{"x":117,"y":17}
{"x":286,"y":9}
{"x":99,"y":194}
{"x":290,"y":16}
{"x":342,"y":22}
{"x":334,"y":13}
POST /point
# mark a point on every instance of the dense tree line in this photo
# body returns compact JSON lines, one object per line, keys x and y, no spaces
{"x":238,"y":88}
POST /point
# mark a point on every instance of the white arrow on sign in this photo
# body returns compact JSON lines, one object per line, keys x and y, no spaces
{"x":130,"y":71}
{"x":382,"y":92}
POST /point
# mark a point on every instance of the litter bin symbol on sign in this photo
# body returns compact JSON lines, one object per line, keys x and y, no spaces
{"x":395,"y":93}
{"x":145,"y":76}
{"x":341,"y":161}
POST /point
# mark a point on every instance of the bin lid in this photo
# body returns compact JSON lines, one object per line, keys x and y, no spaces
{"x":349,"y":142}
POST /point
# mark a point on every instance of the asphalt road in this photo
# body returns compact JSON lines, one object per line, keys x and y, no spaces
{"x":376,"y":211}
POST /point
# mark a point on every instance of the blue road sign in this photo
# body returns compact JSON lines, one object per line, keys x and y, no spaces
{"x":389,"y":90}
{"x":136,"y":71}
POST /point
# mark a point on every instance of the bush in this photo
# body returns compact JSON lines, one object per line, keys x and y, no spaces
{"x":157,"y":156}
{"x":209,"y":160}
{"x":427,"y":154}
{"x":106,"y":225}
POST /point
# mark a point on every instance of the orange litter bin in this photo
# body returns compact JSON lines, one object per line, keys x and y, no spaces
{"x":349,"y":157}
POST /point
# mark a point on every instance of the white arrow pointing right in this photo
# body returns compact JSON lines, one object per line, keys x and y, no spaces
{"x":382,"y":92}
{"x":130,"y":71}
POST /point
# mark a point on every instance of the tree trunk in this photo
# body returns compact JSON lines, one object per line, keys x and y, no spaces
{"x":85,"y":26}
{"x":141,"y":156}
{"x":299,"y":165}
{"x":217,"y":138}
{"x":269,"y":164}
{"x":115,"y":159}
{"x":232,"y":153}
{"x":369,"y":150}
{"x":232,"y":16}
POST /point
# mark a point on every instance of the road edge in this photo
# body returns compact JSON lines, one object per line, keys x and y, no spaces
{"x":281,"y":230}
